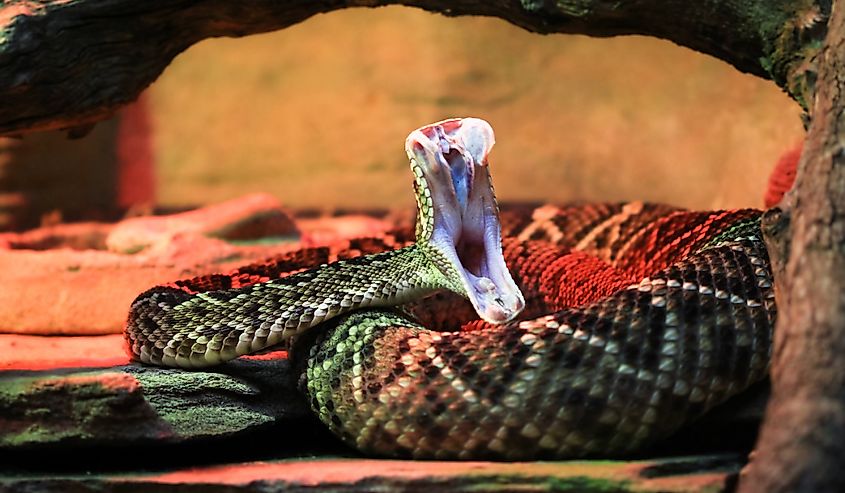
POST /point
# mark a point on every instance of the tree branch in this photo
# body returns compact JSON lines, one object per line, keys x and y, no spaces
{"x":66,"y":63}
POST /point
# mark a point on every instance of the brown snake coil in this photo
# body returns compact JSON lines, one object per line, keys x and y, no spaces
{"x":653,"y":315}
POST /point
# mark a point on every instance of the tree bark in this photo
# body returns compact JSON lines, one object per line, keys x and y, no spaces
{"x":802,"y":443}
{"x":67,"y":63}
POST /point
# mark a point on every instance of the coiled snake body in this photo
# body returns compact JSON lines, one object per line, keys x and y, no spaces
{"x":653,"y":315}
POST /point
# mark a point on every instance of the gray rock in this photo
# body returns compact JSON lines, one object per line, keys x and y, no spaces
{"x":128,"y":404}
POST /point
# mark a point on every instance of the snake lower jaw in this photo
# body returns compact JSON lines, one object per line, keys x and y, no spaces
{"x":494,"y":306}
{"x":478,"y":272}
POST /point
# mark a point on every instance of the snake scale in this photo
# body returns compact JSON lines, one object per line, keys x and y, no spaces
{"x":636,"y":318}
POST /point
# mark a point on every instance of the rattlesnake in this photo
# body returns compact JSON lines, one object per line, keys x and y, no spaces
{"x":652,"y":316}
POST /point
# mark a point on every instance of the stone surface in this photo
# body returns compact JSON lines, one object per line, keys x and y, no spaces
{"x":45,"y":403}
{"x":27,"y":353}
{"x":690,"y":474}
{"x":80,"y":278}
{"x":64,"y":291}
{"x":246,"y":218}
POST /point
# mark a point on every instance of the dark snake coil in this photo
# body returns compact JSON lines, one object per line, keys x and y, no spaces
{"x":655,"y":315}
{"x":638,"y":319}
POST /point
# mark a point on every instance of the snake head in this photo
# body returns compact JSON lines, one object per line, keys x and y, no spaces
{"x":458,"y":220}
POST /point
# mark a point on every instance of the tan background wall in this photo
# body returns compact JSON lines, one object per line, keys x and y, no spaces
{"x":317,"y":114}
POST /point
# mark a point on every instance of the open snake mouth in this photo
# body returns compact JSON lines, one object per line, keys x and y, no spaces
{"x":459,"y":216}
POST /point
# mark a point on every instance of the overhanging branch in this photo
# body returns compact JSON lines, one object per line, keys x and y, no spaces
{"x":66,"y":63}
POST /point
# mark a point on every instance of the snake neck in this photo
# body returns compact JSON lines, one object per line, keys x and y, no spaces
{"x":209,"y":328}
{"x":384,"y":279}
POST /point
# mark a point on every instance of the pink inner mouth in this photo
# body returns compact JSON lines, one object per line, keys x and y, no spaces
{"x":453,"y":157}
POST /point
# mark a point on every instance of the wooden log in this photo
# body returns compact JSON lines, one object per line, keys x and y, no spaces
{"x":68,"y":63}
